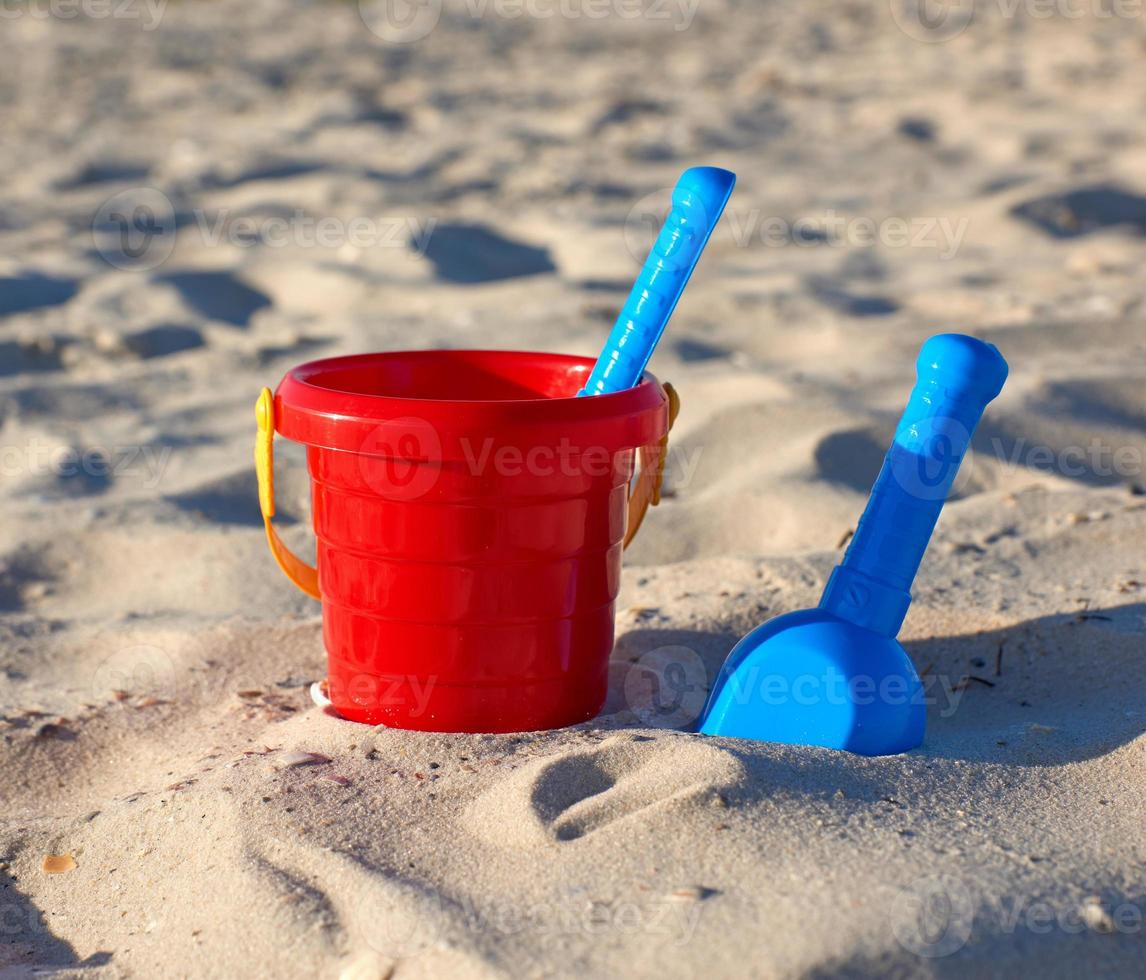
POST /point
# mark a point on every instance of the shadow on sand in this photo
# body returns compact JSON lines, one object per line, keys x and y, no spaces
{"x":27,"y":946}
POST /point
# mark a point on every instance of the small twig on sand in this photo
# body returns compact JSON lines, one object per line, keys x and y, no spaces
{"x":966,"y":681}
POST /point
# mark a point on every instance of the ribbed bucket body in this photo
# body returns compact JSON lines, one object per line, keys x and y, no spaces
{"x":469,"y":547}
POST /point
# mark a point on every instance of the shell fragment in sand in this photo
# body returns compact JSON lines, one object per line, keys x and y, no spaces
{"x":58,"y":864}
{"x":368,"y":966}
{"x":692,"y":893}
{"x":1095,"y":916}
{"x":290,"y":760}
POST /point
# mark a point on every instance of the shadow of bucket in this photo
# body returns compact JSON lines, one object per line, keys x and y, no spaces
{"x":470,"y":515}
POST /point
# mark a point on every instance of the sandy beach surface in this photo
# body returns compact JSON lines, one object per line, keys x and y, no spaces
{"x":200,"y":195}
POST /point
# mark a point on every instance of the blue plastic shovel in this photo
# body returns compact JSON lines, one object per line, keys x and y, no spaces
{"x":697,"y":202}
{"x":836,"y":676}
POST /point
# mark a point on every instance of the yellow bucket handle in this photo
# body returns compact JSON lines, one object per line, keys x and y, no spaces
{"x":298,"y":571}
{"x":645,"y":493}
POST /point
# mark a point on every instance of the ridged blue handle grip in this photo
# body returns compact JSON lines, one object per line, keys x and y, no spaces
{"x":697,"y":202}
{"x":957,"y":377}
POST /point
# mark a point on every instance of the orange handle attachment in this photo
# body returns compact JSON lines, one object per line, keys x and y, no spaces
{"x":647,"y":491}
{"x":303,"y":575}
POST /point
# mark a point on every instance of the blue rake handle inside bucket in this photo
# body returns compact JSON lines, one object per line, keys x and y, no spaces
{"x":697,"y":203}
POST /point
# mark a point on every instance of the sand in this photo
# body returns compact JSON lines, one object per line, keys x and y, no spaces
{"x":159,"y":743}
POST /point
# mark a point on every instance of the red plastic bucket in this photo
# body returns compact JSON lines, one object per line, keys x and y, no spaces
{"x":470,"y":515}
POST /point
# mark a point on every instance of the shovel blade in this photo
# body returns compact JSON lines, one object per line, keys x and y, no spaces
{"x":809,"y":678}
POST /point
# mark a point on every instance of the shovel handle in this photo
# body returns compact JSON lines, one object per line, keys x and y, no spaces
{"x":697,"y":203}
{"x":958,"y":376}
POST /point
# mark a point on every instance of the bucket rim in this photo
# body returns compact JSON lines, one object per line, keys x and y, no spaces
{"x":301,"y":374}
{"x":334,"y":418}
